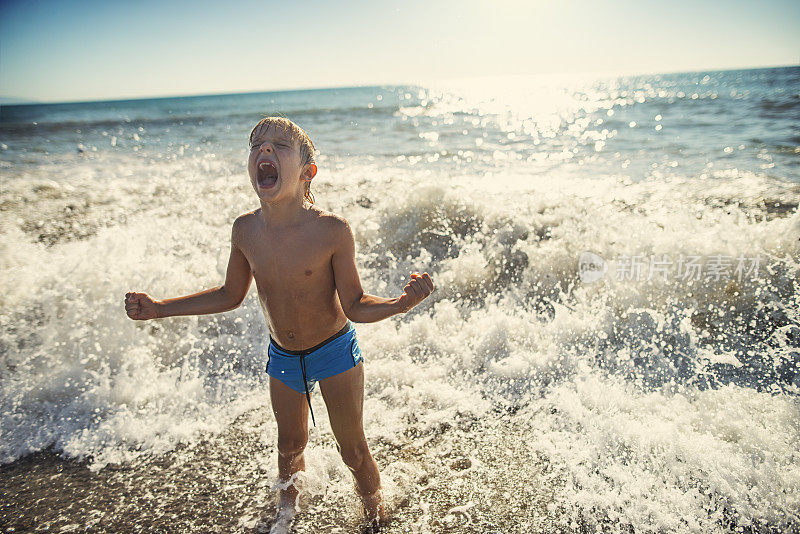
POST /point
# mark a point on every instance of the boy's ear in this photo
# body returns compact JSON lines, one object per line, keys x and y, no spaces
{"x":309,"y":172}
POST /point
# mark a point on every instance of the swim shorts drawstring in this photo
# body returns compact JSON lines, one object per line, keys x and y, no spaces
{"x":305,"y":383}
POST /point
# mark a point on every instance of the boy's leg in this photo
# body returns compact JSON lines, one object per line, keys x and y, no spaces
{"x":291,"y":413}
{"x":344,"y":398}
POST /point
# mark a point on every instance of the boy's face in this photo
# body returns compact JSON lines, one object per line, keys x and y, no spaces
{"x":274,"y":165}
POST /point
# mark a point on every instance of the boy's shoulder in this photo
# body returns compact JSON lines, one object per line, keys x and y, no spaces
{"x":248,"y":215}
{"x":329,"y":218}
{"x":245,"y":218}
{"x":334,"y":227}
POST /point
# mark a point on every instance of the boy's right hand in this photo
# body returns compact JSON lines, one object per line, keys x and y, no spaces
{"x":140,"y":306}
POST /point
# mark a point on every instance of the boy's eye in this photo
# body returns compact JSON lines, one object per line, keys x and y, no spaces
{"x":258,"y":145}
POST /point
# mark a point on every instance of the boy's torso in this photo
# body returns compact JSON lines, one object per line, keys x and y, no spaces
{"x":294,"y":277}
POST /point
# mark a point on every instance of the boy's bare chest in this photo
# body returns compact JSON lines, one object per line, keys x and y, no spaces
{"x":295,"y":258}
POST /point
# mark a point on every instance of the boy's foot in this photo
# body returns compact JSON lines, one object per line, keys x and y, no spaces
{"x":373,"y":511}
{"x":373,"y":505}
{"x":288,"y":501}
{"x":372,"y":527}
{"x":282,"y":522}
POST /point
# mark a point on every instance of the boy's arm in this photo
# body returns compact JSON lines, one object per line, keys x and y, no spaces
{"x":218,"y":299}
{"x":358,"y":306}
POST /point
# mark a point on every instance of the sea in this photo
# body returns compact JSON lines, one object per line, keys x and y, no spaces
{"x":613,"y":344}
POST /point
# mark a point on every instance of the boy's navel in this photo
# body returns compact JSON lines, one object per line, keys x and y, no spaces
{"x":308,"y":272}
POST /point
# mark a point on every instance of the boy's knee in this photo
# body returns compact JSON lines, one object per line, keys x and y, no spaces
{"x":292,"y":446}
{"x":354,"y":455}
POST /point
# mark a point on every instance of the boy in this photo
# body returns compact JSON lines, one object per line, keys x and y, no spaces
{"x":303,"y":261}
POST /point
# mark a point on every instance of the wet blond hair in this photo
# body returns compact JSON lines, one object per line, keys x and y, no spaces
{"x":296,"y":134}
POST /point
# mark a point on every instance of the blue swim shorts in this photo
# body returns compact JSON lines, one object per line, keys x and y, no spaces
{"x":301,"y":369}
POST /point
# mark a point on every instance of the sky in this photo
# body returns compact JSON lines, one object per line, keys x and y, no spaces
{"x":64,"y":50}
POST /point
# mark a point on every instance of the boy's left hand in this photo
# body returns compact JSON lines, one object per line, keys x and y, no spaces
{"x":415,"y":291}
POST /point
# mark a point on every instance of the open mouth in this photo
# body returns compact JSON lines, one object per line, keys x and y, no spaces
{"x":267,"y":174}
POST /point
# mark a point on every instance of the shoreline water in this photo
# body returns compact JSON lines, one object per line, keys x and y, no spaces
{"x":222,"y":484}
{"x":198,"y":488}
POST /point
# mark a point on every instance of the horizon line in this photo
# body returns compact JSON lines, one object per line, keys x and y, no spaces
{"x":28,"y":102}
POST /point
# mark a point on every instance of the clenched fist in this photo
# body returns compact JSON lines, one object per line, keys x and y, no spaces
{"x":415,"y":291}
{"x":140,"y":306}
